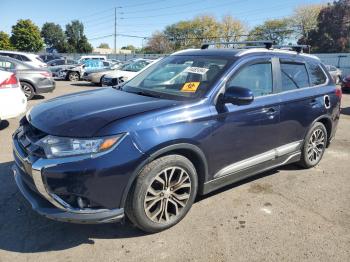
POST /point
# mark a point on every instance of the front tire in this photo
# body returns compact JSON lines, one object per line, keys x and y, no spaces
{"x":73,"y":76}
{"x":314,"y":146}
{"x":163,"y":193}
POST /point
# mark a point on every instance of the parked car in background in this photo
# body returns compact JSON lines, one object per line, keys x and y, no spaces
{"x":32,"y":79}
{"x":335,"y":72}
{"x":30,"y":59}
{"x":57,"y":65}
{"x":148,"y":150}
{"x":76,"y":73}
{"x":12,"y":99}
{"x":346,"y":84}
{"x":95,"y":76}
{"x":92,"y":57}
{"x":49,"y":57}
{"x":125,"y":72}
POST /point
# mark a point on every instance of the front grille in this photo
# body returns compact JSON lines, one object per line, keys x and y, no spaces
{"x":27,"y":136}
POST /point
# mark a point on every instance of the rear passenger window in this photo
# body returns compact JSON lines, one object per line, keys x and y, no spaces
{"x":256,"y":77}
{"x":294,"y":76}
{"x":317,"y":75}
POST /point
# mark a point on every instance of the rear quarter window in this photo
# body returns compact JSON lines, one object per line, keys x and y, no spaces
{"x":317,"y":76}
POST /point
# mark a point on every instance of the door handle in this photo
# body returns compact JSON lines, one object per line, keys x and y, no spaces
{"x":269,"y":111}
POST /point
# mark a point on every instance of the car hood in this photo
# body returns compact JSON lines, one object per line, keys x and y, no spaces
{"x":83,"y":114}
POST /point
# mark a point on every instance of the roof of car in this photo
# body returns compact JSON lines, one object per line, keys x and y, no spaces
{"x":17,"y":52}
{"x":13,"y":60}
{"x":235,"y":53}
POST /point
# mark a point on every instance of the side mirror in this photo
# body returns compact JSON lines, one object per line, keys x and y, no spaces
{"x":238,"y":96}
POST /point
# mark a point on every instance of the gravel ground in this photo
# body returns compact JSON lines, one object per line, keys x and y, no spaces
{"x":287,"y":214}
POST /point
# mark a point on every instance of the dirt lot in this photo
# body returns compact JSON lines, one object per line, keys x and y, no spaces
{"x":287,"y":214}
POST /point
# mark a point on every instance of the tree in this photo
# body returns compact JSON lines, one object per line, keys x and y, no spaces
{"x":181,"y":34}
{"x":333,"y":29}
{"x":206,"y":29}
{"x":104,"y":45}
{"x":5,"y":41}
{"x":158,"y":43}
{"x":129,"y":47}
{"x":231,"y":29}
{"x":277,"y":30}
{"x":304,"y":19}
{"x":26,"y":36}
{"x":54,"y":37}
{"x":77,"y":41}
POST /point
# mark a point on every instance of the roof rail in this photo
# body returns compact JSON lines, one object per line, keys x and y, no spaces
{"x":296,"y":48}
{"x":267,"y":43}
{"x":263,"y":44}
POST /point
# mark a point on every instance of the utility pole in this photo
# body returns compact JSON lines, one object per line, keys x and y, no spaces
{"x":115,"y":31}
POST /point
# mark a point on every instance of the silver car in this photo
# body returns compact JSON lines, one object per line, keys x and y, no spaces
{"x":33,"y":80}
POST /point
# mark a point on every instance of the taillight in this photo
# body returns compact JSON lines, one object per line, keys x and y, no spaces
{"x":10,"y":82}
{"x":338,"y":92}
{"x":46,"y":74}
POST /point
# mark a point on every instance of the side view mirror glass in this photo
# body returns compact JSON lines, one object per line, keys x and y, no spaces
{"x":238,"y":95}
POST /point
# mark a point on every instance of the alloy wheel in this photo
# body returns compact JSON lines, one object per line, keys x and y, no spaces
{"x":73,"y":77}
{"x":316,"y":145}
{"x":167,"y":195}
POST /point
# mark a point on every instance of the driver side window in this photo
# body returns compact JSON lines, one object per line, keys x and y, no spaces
{"x":256,"y":77}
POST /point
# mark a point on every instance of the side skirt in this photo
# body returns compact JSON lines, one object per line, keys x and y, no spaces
{"x":224,"y":180}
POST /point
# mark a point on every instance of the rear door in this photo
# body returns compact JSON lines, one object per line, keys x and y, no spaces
{"x":301,"y":101}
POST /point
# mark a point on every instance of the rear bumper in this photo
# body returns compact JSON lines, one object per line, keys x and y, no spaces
{"x":44,"y":208}
{"x":12,"y":106}
{"x":46,"y":87}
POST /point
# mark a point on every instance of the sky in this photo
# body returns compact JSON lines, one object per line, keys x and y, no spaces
{"x":138,"y":18}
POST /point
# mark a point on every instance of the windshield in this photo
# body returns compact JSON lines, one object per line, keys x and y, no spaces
{"x":180,"y":76}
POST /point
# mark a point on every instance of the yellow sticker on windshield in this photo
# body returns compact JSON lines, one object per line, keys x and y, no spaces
{"x":190,"y":87}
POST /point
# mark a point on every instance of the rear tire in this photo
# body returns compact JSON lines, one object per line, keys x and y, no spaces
{"x":163,"y":193}
{"x":314,"y":146}
{"x":73,"y":76}
{"x":28,"y":90}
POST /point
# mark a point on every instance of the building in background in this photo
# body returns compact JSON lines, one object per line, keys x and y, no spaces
{"x":107,"y":51}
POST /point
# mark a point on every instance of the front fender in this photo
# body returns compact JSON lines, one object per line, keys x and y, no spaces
{"x":162,"y":150}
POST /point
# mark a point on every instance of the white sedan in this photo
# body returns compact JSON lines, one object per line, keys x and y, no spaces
{"x":126,"y":72}
{"x":13,"y":102}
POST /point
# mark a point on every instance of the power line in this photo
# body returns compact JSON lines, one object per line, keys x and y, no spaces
{"x":184,"y":12}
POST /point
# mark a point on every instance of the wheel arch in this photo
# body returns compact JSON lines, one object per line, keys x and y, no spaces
{"x":27,"y":81}
{"x":190,"y":151}
{"x":327,"y":122}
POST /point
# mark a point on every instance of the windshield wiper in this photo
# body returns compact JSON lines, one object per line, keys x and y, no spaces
{"x":143,"y":93}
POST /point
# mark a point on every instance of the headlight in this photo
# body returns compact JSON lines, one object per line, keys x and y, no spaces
{"x":54,"y":146}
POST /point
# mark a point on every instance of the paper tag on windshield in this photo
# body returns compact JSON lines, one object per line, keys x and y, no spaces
{"x":190,"y":87}
{"x":196,"y":70}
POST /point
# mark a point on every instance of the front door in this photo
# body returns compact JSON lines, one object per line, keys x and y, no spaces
{"x":245,"y":132}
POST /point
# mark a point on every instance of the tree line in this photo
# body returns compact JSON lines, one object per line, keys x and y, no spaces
{"x":325,"y":27}
{"x":26,"y":36}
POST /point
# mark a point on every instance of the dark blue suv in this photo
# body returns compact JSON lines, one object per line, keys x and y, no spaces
{"x":189,"y":124}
